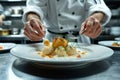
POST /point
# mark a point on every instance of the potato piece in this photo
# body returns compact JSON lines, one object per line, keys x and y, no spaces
{"x":60,"y":51}
{"x":71,"y":50}
{"x":47,"y":49}
{"x":46,"y":42}
{"x":59,"y":42}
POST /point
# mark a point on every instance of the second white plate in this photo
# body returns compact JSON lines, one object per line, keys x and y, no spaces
{"x":109,"y":43}
{"x":7,"y":46}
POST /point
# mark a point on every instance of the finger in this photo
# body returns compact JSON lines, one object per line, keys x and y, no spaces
{"x":38,"y":27}
{"x":93,"y":24}
{"x":98,"y":32}
{"x":32,"y":37}
{"x":89,"y":27}
{"x":95,"y":35}
{"x":43,"y":29}
{"x":30,"y":33}
{"x":96,"y":25}
{"x":30,"y":30}
{"x":83,"y":28}
{"x":35,"y":25}
{"x":32,"y":27}
{"x":27,"y":35}
{"x":93,"y":27}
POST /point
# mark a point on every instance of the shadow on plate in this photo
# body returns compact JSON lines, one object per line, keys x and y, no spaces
{"x":28,"y":69}
{"x":115,"y":48}
{"x":4,"y":51}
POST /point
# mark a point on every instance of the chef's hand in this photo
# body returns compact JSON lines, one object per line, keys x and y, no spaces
{"x":34,"y":29}
{"x":91,"y":27}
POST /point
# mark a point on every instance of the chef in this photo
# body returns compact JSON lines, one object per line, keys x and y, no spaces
{"x":83,"y":19}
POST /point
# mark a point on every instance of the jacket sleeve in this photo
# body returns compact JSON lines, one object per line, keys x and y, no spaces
{"x":96,"y":6}
{"x":37,"y":6}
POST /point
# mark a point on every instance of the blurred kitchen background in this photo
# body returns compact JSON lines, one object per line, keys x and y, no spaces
{"x":16,"y":7}
{"x":14,"y":23}
{"x":12,"y":28}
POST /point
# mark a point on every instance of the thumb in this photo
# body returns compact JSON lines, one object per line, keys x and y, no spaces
{"x":83,"y":28}
{"x":43,"y":29}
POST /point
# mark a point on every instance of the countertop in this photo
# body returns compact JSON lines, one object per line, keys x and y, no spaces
{"x":12,"y":68}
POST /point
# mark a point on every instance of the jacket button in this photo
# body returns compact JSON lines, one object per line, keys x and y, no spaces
{"x":75,"y":26}
{"x":73,"y":13}
{"x":61,"y":27}
{"x":58,"y":0}
{"x":59,"y":14}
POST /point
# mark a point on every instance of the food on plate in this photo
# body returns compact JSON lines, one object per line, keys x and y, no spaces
{"x":46,"y":42}
{"x":60,"y":48}
{"x":116,"y":44}
{"x":60,"y":42}
{"x":1,"y":47}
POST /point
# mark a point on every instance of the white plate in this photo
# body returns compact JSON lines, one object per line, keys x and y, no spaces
{"x":7,"y":46}
{"x":109,"y":43}
{"x":94,"y":53}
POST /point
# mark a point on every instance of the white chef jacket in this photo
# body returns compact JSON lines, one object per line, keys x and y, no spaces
{"x":66,"y":15}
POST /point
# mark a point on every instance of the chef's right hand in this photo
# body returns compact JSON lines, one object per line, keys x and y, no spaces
{"x":34,"y":29}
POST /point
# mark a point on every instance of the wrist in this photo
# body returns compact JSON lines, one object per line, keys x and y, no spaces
{"x":32,"y":15}
{"x":99,"y":16}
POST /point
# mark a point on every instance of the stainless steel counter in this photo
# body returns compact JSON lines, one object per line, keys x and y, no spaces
{"x":11,"y":68}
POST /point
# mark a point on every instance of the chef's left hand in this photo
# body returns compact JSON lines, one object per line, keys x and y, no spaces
{"x":91,"y":27}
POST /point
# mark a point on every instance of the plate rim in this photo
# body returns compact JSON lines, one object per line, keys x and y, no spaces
{"x":13,"y":45}
{"x":100,"y":43}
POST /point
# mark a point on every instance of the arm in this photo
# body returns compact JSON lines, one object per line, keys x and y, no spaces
{"x":32,"y":15}
{"x":36,"y":7}
{"x":98,"y":16}
{"x":92,"y":25}
{"x":32,"y":18}
{"x":98,"y":6}
{"x":34,"y":28}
